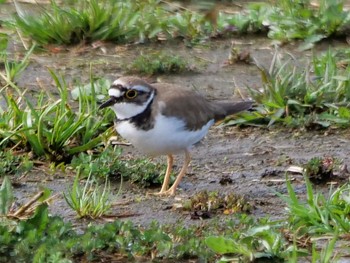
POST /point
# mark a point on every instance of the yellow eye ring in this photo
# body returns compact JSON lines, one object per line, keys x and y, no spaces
{"x":131,"y":94}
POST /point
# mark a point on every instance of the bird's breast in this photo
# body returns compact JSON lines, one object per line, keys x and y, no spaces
{"x":169,"y":135}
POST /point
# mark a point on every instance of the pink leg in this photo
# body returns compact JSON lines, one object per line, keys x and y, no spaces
{"x":172,"y":189}
{"x":165,"y":184}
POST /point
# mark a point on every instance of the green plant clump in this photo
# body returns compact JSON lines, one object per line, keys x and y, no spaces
{"x":316,"y":97}
{"x":158,"y":63}
{"x":51,"y":127}
{"x":89,"y":201}
{"x":14,"y":164}
{"x":110,"y":163}
{"x":302,"y":20}
{"x":319,"y":217}
{"x":43,"y":238}
{"x":139,"y":21}
{"x":319,"y":214}
{"x":88,"y":21}
{"x":12,"y":67}
{"x":320,"y":170}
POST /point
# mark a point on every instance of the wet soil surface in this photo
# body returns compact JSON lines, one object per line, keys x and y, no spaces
{"x":252,"y":161}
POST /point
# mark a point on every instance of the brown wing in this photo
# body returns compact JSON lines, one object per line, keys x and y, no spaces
{"x":193,"y":107}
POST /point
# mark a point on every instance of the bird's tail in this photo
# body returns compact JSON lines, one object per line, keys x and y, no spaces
{"x":233,"y":107}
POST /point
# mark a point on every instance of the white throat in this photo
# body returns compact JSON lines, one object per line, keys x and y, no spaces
{"x":126,"y":110}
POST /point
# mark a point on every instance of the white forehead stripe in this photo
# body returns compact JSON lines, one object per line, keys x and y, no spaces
{"x":114,"y":93}
{"x":118,"y":82}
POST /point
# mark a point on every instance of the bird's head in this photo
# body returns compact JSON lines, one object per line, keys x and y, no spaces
{"x":129,"y":96}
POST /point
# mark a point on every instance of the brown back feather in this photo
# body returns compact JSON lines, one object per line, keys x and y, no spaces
{"x":192,"y":107}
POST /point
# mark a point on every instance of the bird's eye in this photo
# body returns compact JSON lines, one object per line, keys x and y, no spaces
{"x":131,"y":94}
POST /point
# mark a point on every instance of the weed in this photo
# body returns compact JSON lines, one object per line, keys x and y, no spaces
{"x":88,"y":21}
{"x":250,"y":20}
{"x":316,"y":217}
{"x":107,"y":163}
{"x":3,"y":44}
{"x":35,"y":239}
{"x":158,"y":63}
{"x":110,"y":163}
{"x":52,"y":128}
{"x":12,"y":68}
{"x":287,"y":20}
{"x":328,"y":253}
{"x":140,"y":21}
{"x":213,"y":202}
{"x":320,"y":170}
{"x":14,"y":164}
{"x":89,"y":201}
{"x":302,"y":20}
{"x":255,"y":242}
{"x":94,"y":91}
{"x":43,"y":236}
{"x":242,"y":238}
{"x":146,"y":173}
{"x":295,"y":98}
{"x":319,"y":214}
{"x":6,"y":196}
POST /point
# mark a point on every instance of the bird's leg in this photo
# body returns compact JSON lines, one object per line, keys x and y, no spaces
{"x":172,"y":189}
{"x":165,"y":184}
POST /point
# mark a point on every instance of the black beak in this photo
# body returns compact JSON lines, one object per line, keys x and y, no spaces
{"x":107,"y":103}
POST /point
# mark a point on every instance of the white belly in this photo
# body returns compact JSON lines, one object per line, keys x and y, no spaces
{"x":168,"y":136}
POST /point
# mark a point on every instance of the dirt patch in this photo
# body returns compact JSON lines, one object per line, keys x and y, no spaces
{"x":253,"y":159}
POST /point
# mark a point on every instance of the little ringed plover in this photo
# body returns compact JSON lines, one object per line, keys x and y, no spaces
{"x":164,"y":119}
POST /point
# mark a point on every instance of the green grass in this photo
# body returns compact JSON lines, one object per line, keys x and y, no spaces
{"x":61,"y":130}
{"x":90,"y":201}
{"x":214,"y":202}
{"x":316,"y":96}
{"x":302,"y":20}
{"x":140,"y":21}
{"x":319,"y":214}
{"x":52,"y":127}
{"x":158,"y":63}
{"x":319,"y":217}
{"x":88,"y":21}
{"x":111,"y":163}
{"x":42,"y":238}
{"x":240,"y":238}
{"x":12,"y":67}
{"x":259,"y":242}
{"x":6,"y":196}
{"x":10,"y":163}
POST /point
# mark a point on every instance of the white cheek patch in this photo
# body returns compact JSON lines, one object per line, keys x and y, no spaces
{"x":126,"y":110}
{"x":114,"y":93}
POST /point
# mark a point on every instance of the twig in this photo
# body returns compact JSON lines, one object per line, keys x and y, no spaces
{"x":23,"y":208}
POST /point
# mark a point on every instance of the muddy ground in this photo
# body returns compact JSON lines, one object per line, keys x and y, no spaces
{"x":254,"y":158}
